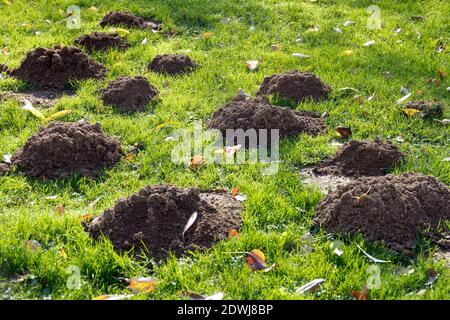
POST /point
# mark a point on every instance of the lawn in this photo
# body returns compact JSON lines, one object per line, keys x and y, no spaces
{"x":222,"y":35}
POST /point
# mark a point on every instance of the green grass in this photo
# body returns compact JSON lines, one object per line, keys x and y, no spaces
{"x":279,"y":208}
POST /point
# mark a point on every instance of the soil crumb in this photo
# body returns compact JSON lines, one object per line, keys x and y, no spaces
{"x":102,"y":41}
{"x":53,"y":69}
{"x":154,"y":218}
{"x":389,"y":209}
{"x":246,"y":113}
{"x":362,"y":158}
{"x":428,"y":108}
{"x":127,"y":19}
{"x":129,"y":94}
{"x":172,"y":64}
{"x":63,"y":149}
{"x":295,"y":86}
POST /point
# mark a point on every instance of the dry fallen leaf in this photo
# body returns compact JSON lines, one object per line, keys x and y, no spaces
{"x":433,"y":275}
{"x":252,"y":65}
{"x":276,"y":47}
{"x":410,"y":112}
{"x":216,"y":296}
{"x":93,"y":9}
{"x":144,"y":41}
{"x":345,"y":132}
{"x":402,"y":99}
{"x":361,"y":295}
{"x":62,"y":253}
{"x":35,"y":112}
{"x":207,"y":35}
{"x":190,"y":222}
{"x":369,"y":43}
{"x":240,"y":198}
{"x":86,"y":217}
{"x":233,"y":234}
{"x":442,"y":74}
{"x":120,"y":31}
{"x":142,"y":285}
{"x":373,"y":259}
{"x":300,"y":55}
{"x":443,"y":121}
{"x":113,"y":297}
{"x":197,"y":161}
{"x":311,"y":286}
{"x":235,"y":192}
{"x":256,"y":260}
{"x":59,"y":209}
{"x":8,"y":157}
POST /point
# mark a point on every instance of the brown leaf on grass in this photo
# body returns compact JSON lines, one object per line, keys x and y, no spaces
{"x":196,"y":162}
{"x":129,"y":156}
{"x":235,"y":192}
{"x":361,"y":295}
{"x":256,"y":260}
{"x":345,"y":132}
{"x":59,"y":209}
{"x":142,"y":284}
{"x":417,"y":18}
{"x":233,"y":234}
{"x":86,"y":217}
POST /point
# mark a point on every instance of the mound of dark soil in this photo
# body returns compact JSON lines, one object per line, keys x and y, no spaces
{"x":246,"y":113}
{"x":127,"y":19}
{"x":391,"y":209}
{"x":296,"y":86}
{"x":63,"y":149}
{"x":362,"y":158}
{"x":172,"y":64}
{"x":129,"y":94}
{"x":54,"y":68}
{"x":428,"y":108}
{"x":154,"y":219}
{"x":102,"y":41}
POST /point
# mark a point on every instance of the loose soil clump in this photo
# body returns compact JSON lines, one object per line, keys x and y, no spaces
{"x":247,"y":113}
{"x":52,"y":69}
{"x":129,"y":94}
{"x":295,"y":86}
{"x":429,"y":108}
{"x":389,"y":209}
{"x":102,"y":41}
{"x":127,"y":19}
{"x":172,"y":64}
{"x":63,"y":149}
{"x":362,"y":158}
{"x":154,"y":218}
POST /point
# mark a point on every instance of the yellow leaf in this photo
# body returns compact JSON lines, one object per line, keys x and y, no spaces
{"x":207,"y":35}
{"x":168,"y":124}
{"x":57,"y":115}
{"x":63,"y":253}
{"x":35,"y":112}
{"x":142,"y":285}
{"x":410,"y":112}
{"x":27,"y":26}
{"x":86,"y":217}
{"x":233,"y":233}
{"x":347,"y":53}
{"x":93,"y":9}
{"x":119,"y":31}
